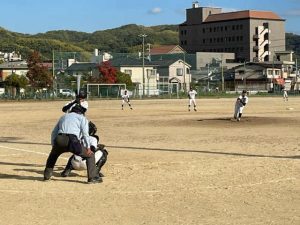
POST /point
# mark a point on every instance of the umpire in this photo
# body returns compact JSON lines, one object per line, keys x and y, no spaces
{"x":65,"y":138}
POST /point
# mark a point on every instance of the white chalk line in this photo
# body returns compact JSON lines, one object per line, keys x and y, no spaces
{"x":29,"y":151}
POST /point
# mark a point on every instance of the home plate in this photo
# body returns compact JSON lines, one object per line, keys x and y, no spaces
{"x":289,"y":108}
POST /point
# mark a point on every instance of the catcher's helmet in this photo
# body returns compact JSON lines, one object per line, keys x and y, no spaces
{"x":81,"y":94}
{"x":78,"y":109}
{"x":92,"y":128}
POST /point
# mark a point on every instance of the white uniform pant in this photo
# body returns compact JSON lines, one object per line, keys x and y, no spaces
{"x":238,"y":109}
{"x":192,"y":101}
{"x":79,"y":163}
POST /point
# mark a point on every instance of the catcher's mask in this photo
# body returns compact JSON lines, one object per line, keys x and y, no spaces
{"x":92,"y":128}
{"x":78,"y":109}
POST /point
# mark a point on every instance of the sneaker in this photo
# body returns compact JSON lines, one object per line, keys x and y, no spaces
{"x":47,"y":173}
{"x":101,"y":174}
{"x":238,"y":119}
{"x":131,"y":108}
{"x":195,"y":110}
{"x":65,"y":173}
{"x":95,"y":180}
{"x":189,"y":109}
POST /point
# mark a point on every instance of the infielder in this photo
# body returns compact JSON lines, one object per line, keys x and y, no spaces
{"x":240,"y":103}
{"x":192,"y":95}
{"x":125,"y":98}
{"x":285,"y":95}
{"x":78,"y":163}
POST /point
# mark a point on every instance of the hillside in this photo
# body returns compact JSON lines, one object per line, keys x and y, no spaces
{"x":123,"y":39}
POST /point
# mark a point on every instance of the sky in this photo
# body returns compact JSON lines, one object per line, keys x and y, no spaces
{"x":40,"y":16}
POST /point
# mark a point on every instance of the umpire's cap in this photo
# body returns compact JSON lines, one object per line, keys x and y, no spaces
{"x":81,"y":94}
{"x":244,"y":91}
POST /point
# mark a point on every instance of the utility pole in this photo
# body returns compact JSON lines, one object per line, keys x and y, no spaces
{"x":208,"y":77}
{"x":143,"y":60}
{"x":53,"y":73}
{"x":222,"y":74}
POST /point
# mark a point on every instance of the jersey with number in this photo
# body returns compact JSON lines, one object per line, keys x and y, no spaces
{"x":192,"y":94}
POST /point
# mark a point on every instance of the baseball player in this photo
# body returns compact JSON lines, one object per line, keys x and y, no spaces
{"x":192,"y":95}
{"x":66,"y":137}
{"x":76,"y":162}
{"x":125,"y":98}
{"x":285,"y":95}
{"x":80,"y":99}
{"x":240,"y":103}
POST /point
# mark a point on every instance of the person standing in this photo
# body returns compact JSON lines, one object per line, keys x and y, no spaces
{"x":192,"y":98}
{"x":240,"y":103}
{"x":125,"y":99}
{"x":66,"y":136}
{"x":285,"y":95}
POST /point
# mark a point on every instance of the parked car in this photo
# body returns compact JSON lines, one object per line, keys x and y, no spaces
{"x":67,"y":92}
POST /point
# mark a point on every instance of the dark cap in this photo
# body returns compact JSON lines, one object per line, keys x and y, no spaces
{"x":81,"y":94}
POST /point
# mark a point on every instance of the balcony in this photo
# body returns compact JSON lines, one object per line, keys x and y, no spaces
{"x":265,"y":42}
{"x":255,"y":48}
{"x":262,"y":56}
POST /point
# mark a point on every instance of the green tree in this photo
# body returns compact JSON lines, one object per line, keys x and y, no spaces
{"x":16,"y":82}
{"x":38,"y":75}
{"x":123,"y":78}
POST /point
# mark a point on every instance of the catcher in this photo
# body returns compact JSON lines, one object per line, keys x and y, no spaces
{"x":78,"y":163}
{"x":240,"y":103}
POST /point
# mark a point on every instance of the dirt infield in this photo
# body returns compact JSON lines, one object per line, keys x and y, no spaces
{"x":166,"y":165}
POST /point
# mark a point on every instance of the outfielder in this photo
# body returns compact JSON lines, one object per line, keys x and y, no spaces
{"x":125,"y":98}
{"x":192,"y":95}
{"x":240,"y":103}
{"x":78,"y":163}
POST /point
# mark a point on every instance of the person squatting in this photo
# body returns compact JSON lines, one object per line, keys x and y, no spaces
{"x":192,"y":95}
{"x":240,"y":103}
{"x":76,"y":162}
{"x":66,"y":136}
{"x":125,"y":99}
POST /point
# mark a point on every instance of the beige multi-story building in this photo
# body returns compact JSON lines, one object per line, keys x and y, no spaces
{"x":252,"y":35}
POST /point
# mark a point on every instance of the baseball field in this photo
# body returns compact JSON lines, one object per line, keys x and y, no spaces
{"x":165,"y":165}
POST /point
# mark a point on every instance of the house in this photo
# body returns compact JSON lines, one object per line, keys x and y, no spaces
{"x":258,"y":77}
{"x":8,"y":68}
{"x":175,"y":72}
{"x":166,"y":49}
{"x":145,"y":76}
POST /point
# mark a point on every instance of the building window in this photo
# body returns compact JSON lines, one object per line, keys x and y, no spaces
{"x":129,"y":72}
{"x":187,"y":70}
{"x":203,"y":30}
{"x":225,"y":28}
{"x":215,"y":29}
{"x":182,"y":32}
{"x":221,"y":39}
{"x":151,"y":73}
{"x":221,"y":28}
{"x":237,"y":38}
{"x":233,"y":27}
{"x":241,"y":38}
{"x":185,"y":32}
{"x":241,"y":26}
{"x":179,"y":71}
{"x":185,"y":42}
{"x":203,"y":41}
{"x":210,"y":40}
{"x":210,"y":29}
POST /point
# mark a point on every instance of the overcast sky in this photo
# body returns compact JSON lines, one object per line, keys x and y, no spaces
{"x":38,"y":16}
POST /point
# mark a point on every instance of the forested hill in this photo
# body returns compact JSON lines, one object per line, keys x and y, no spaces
{"x":122,"y":39}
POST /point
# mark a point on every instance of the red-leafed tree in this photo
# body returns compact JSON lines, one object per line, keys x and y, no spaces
{"x":107,"y":73}
{"x":38,"y":75}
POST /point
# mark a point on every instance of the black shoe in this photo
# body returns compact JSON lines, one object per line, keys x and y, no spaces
{"x":195,"y":110}
{"x":95,"y":180}
{"x":101,"y":146}
{"x":47,"y":173}
{"x":66,"y":173}
{"x":101,"y":174}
